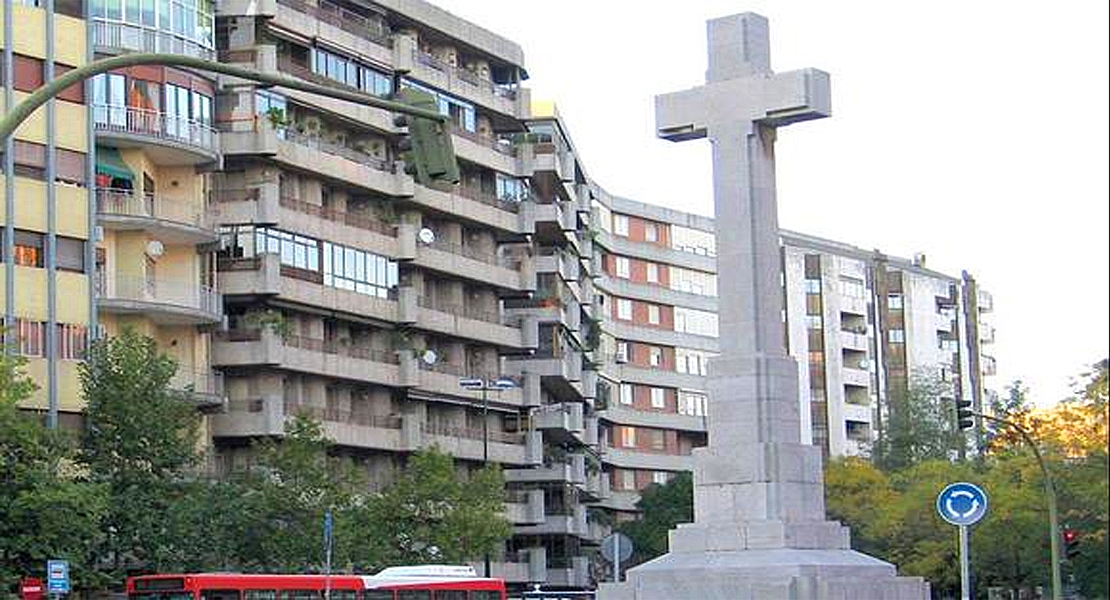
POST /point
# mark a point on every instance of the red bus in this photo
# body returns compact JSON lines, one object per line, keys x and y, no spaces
{"x":430,"y":582}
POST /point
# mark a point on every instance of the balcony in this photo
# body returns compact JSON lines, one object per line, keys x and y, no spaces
{"x":642,"y":459}
{"x":339,"y":25}
{"x":658,"y":420}
{"x":570,"y":469}
{"x":464,"y":320}
{"x":523,"y":566}
{"x":241,"y":348}
{"x":504,"y":99}
{"x":203,"y":388}
{"x":564,"y":521}
{"x":855,"y":377}
{"x":574,"y":572}
{"x":114,"y":36}
{"x":524,"y":507}
{"x":165,"y":139}
{"x":164,"y":301}
{"x":267,"y":416}
{"x":559,"y":419}
{"x":171,"y":220}
{"x":853,"y":340}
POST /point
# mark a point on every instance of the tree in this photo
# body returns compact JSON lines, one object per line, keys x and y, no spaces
{"x":429,"y":515}
{"x":663,"y":507}
{"x":141,"y":443}
{"x":44,"y":512}
{"x":920,"y":425}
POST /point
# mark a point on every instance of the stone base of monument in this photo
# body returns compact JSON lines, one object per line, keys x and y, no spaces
{"x":749,"y":562}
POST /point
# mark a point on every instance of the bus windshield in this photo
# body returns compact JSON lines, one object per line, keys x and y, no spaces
{"x":160,"y":596}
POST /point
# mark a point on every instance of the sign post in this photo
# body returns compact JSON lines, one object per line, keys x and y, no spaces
{"x":616,"y":548}
{"x":963,"y":504}
{"x":57,"y":577}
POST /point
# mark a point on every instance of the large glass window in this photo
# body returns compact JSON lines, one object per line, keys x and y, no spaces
{"x":189,"y":19}
{"x":350,"y":72}
{"x":510,"y":189}
{"x":461,"y":113}
{"x":363,"y":272}
{"x":697,"y":322}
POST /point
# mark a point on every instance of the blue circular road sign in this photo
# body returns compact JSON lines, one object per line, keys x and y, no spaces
{"x":962,"y":503}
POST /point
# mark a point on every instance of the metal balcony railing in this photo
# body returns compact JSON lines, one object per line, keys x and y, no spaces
{"x":490,"y":198}
{"x":335,"y":415}
{"x":468,"y":311}
{"x":472,"y":79}
{"x":183,"y":294}
{"x":119,"y":202}
{"x":364,"y":27}
{"x":338,"y":149}
{"x":502,"y":437}
{"x":352,"y":219}
{"x":209,"y":383}
{"x":144,"y":38}
{"x":155,"y":124}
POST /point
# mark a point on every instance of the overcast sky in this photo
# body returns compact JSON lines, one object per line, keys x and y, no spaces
{"x":975,"y":132}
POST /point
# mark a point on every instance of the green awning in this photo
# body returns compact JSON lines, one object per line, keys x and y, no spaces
{"x":110,"y":163}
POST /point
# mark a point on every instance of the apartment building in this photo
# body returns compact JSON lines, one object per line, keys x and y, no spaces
{"x":357,"y":296}
{"x":156,"y":149}
{"x":860,"y":324}
{"x":48,"y":308}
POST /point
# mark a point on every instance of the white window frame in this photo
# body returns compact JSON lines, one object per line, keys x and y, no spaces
{"x":620,"y":225}
{"x":652,"y":272}
{"x":624,"y":309}
{"x":658,"y":397}
{"x":627,"y":393}
{"x":622,"y":266}
{"x":651,"y":232}
{"x":654,"y":314}
{"x":655,"y":356}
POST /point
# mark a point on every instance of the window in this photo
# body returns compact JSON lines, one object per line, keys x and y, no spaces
{"x":628,"y":436}
{"x":653,"y":314}
{"x":271,"y":106}
{"x":262,"y":595}
{"x":28,"y":248}
{"x":71,"y":341}
{"x":622,"y":266}
{"x":622,"y":352}
{"x":626,"y":393}
{"x":32,"y":337}
{"x":462,"y":113}
{"x":651,"y":234}
{"x":624,"y":309}
{"x":813,"y":286}
{"x":110,"y":100}
{"x":814,"y":322}
{"x":451,"y":595}
{"x":894,"y":302}
{"x":414,"y":595}
{"x":510,"y":189}
{"x":628,"y":479}
{"x":692,"y":403}
{"x":350,"y":73}
{"x":357,"y":270}
{"x":897,"y":336}
{"x":694,"y":241}
{"x":697,"y":322}
{"x":658,"y":439}
{"x":660,"y":477}
{"x":652,"y":273}
{"x":658,"y":398}
{"x":655,"y":356}
{"x":295,"y":250}
{"x":620,"y":225}
{"x":694,"y":362}
{"x":852,"y":288}
{"x":71,"y":254}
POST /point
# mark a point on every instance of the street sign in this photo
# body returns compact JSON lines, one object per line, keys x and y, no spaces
{"x":57,"y":577}
{"x":962,"y":504}
{"x":616,"y":545}
{"x":31,"y":588}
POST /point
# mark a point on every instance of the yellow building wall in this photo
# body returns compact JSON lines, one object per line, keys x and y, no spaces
{"x":30,"y":26}
{"x":30,"y":203}
{"x":73,"y":293}
{"x":70,"y":398}
{"x":30,"y":293}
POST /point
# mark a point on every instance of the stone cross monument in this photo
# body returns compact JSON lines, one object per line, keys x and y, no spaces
{"x":759,"y":528}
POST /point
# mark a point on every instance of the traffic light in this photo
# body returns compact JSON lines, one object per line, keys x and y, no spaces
{"x":963,"y":414}
{"x":427,"y":150}
{"x":1071,"y":543}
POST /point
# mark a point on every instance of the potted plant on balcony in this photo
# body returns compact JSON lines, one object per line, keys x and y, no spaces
{"x":269,"y":319}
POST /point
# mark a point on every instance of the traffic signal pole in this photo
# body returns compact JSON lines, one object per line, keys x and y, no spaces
{"x":19,"y":113}
{"x":1050,"y":497}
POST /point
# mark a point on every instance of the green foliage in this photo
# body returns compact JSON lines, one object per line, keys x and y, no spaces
{"x":44,"y":512}
{"x":140,"y":444}
{"x":663,"y":507}
{"x":430,"y":516}
{"x":920,"y":425}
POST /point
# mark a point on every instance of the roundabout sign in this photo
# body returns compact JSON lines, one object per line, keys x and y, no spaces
{"x":962,"y":504}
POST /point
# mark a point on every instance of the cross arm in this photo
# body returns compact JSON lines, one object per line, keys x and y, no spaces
{"x":681,"y":116}
{"x":795,"y":96}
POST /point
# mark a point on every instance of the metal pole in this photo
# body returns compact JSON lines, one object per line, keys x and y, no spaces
{"x":617,"y":559}
{"x":1050,"y":497}
{"x":965,"y":566}
{"x":485,"y":447}
{"x":18,"y":113}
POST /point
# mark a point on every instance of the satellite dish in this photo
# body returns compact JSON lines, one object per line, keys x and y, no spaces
{"x":154,"y":248}
{"x":426,"y":236}
{"x":865,"y":364}
{"x":429,"y":357}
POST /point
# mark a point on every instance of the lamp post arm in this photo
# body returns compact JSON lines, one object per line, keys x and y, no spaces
{"x":14,"y":117}
{"x":1050,"y":495}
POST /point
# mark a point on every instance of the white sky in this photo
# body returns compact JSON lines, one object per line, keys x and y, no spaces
{"x":975,"y":132}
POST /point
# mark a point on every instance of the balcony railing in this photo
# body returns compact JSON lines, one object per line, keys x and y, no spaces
{"x":340,"y":150}
{"x":479,"y":255}
{"x":349,"y":21}
{"x":208,"y":383}
{"x":342,"y":348}
{"x":153,"y":123}
{"x":489,"y":198}
{"x":120,"y":202}
{"x":179,"y":293}
{"x":463,"y":310}
{"x":502,"y":146}
{"x":234,"y":195}
{"x":502,"y":437}
{"x":462,"y":74}
{"x":352,"y":219}
{"x":335,"y":415}
{"x":141,"y":38}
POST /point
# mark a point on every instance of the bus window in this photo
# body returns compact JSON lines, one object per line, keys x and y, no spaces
{"x":414,"y":595}
{"x":377,"y":595}
{"x":485,"y":595}
{"x":450,"y":594}
{"x":345,"y":595}
{"x":219,"y":595}
{"x":259,"y":595}
{"x":299,"y":595}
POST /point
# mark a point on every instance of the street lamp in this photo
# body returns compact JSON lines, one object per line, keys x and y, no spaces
{"x":498,"y":385}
